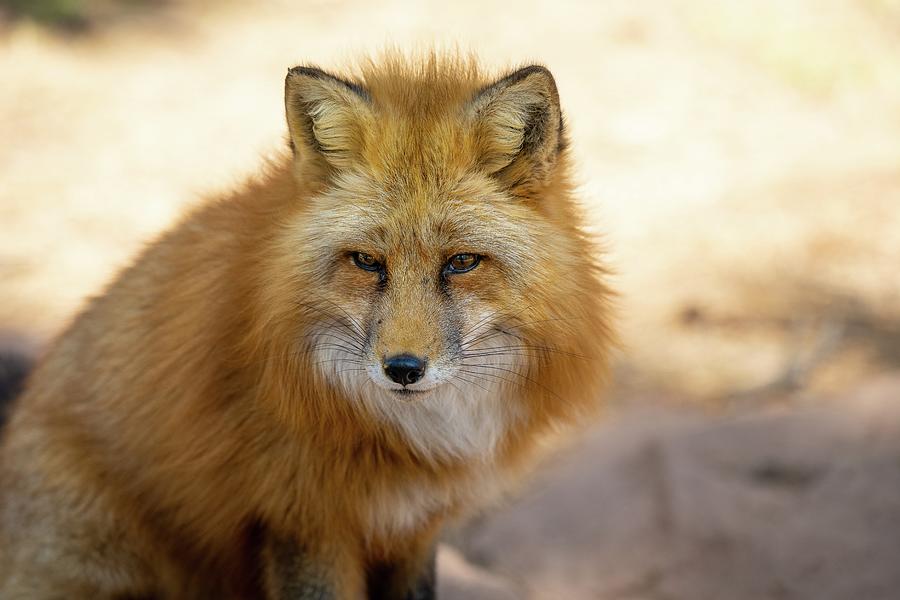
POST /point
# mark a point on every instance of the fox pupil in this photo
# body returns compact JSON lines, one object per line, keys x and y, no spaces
{"x":366,"y":262}
{"x":462,"y":263}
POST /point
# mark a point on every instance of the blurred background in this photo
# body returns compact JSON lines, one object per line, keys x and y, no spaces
{"x":741,"y":161}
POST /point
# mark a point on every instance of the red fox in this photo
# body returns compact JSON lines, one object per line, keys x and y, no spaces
{"x":292,"y":391}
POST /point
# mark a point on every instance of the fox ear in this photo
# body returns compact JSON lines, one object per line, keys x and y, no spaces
{"x":518,"y":126}
{"x":326,"y":116}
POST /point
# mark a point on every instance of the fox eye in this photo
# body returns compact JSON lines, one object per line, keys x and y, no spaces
{"x":367,"y":262}
{"x":462,"y":263}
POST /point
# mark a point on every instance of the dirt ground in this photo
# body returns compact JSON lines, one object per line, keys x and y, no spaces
{"x":788,"y":503}
{"x":741,"y":162}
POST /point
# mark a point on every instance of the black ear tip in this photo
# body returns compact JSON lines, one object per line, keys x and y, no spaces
{"x":536,"y":68}
{"x":316,"y":73}
{"x":307,"y":71}
{"x":522,"y":73}
{"x":542,"y":78}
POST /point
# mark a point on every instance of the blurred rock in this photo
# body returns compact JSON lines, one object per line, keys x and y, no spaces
{"x":796,"y":502}
{"x":461,"y":580}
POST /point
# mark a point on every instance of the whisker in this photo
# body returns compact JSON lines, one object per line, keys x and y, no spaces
{"x":350,"y":370}
{"x":336,"y":337}
{"x":479,"y":364}
{"x":508,"y":317}
{"x":359,"y":327}
{"x":523,"y":376}
{"x":461,"y":378}
{"x":495,"y":379}
{"x":493,"y":376}
{"x":351,"y":325}
{"x":333,"y":346}
{"x":341,"y":360}
{"x":480,"y":352}
{"x":509,"y":323}
{"x":491,"y":333}
{"x":480,"y":322}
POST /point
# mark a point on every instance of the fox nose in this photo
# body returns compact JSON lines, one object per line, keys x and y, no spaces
{"x":404,"y":369}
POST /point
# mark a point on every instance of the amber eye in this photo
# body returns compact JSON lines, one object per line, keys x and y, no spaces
{"x":462,"y":263}
{"x":366,"y":262}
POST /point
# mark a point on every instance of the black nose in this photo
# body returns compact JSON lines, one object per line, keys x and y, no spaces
{"x":404,"y":368}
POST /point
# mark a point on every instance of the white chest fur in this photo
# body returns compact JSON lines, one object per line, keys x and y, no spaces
{"x":448,"y":422}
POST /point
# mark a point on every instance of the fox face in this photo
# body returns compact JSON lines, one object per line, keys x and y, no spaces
{"x":439,"y":275}
{"x":424,"y":278}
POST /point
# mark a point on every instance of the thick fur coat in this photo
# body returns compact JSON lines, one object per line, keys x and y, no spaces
{"x":222,"y":421}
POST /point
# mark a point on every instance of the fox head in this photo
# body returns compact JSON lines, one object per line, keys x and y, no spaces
{"x":433,"y":267}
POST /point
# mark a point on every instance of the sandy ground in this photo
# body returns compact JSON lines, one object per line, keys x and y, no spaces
{"x":740,"y":160}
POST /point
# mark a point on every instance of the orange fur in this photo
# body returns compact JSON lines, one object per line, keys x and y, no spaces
{"x":192,"y":434}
